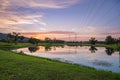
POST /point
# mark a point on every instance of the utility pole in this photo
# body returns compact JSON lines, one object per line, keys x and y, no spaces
{"x":75,"y":37}
{"x":69,"y":38}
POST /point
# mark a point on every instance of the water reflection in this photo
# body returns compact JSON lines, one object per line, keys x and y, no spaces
{"x":109,"y":51}
{"x":118,"y":49}
{"x":93,"y":49}
{"x":48,"y":48}
{"x":102,"y":63}
{"x":33,"y":49}
{"x":104,"y":58}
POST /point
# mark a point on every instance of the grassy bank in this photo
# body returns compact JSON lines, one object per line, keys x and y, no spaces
{"x":22,"y":67}
{"x":9,"y":46}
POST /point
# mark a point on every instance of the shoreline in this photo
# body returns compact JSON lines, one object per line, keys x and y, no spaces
{"x":40,"y":68}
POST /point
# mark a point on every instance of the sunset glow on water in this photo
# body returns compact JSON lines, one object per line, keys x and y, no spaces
{"x":97,"y":57}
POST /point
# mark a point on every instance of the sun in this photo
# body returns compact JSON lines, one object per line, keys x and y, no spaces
{"x":36,"y":37}
{"x":42,"y":37}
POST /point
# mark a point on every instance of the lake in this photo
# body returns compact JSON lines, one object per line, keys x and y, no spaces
{"x":96,"y":57}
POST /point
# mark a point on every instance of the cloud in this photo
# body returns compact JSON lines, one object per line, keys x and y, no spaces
{"x":44,"y":3}
{"x":3,"y":4}
{"x":113,"y":33}
{"x":10,"y":17}
{"x":49,"y":32}
{"x":89,"y":30}
{"x":53,"y":3}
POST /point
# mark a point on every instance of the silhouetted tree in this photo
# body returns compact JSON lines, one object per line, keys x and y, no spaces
{"x":93,"y":40}
{"x":34,"y":41}
{"x":118,"y":40}
{"x":21,"y":38}
{"x":57,"y":41}
{"x":109,"y":40}
{"x":13,"y":37}
{"x":9,"y":38}
{"x":47,"y":39}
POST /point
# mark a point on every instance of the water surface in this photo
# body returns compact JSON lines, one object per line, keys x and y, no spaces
{"x":96,"y":57}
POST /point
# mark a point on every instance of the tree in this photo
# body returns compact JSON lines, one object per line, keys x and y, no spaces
{"x":47,"y":39}
{"x":92,"y":40}
{"x":118,"y":40}
{"x":13,"y":37}
{"x":10,"y":38}
{"x":109,"y":40}
{"x":21,"y":38}
{"x":34,"y":41}
{"x":16,"y":37}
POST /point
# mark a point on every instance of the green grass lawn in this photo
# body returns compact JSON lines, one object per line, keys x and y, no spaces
{"x":9,"y":46}
{"x":15,"y":66}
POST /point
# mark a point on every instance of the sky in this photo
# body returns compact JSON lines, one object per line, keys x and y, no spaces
{"x":61,"y":19}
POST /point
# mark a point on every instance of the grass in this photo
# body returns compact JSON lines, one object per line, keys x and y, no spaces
{"x":9,"y":46}
{"x":51,"y":44}
{"x":23,"y":67}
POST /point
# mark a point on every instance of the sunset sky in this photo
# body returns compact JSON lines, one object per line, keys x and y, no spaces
{"x":61,"y":19}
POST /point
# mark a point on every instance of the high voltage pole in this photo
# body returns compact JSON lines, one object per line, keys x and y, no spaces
{"x":75,"y":37}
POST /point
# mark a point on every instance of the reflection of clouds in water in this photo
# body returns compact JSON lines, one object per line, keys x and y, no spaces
{"x":63,"y":60}
{"x":102,"y":63}
{"x":99,"y":60}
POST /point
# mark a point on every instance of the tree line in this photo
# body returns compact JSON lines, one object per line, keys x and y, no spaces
{"x":15,"y":37}
{"x":108,"y":40}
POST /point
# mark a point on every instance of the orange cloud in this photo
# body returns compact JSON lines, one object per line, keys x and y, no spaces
{"x":50,"y":34}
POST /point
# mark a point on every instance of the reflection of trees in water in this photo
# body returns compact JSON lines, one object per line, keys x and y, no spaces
{"x":119,"y":58}
{"x":102,"y":63}
{"x":33,"y":49}
{"x":118,"y":49}
{"x":76,"y":49}
{"x":70,"y":49}
{"x":52,"y":47}
{"x":48,"y":48}
{"x":93,"y":49}
{"x":109,"y":51}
